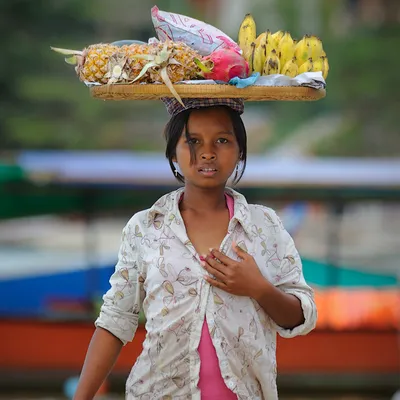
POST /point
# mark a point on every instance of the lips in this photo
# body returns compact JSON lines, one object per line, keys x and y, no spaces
{"x":207,"y":168}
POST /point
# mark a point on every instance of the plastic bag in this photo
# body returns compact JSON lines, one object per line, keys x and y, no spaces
{"x":200,"y":36}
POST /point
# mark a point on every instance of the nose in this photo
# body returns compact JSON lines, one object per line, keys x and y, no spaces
{"x":208,"y":156}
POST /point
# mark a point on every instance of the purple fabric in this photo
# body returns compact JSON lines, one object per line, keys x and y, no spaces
{"x":174,"y":107}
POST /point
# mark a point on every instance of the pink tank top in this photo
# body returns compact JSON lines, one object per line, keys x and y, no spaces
{"x":211,"y":383}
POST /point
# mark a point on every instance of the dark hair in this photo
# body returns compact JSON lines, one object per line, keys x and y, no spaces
{"x":177,"y":123}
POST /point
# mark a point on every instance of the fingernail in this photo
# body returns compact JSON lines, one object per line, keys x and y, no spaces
{"x":203,"y":263}
{"x":202,"y":258}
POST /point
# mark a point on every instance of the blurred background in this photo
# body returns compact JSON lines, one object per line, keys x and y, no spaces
{"x":74,"y":169}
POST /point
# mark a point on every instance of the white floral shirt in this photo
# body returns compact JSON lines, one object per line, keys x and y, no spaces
{"x":158,"y":269}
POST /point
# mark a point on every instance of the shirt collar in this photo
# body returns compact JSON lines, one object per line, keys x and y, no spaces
{"x":168,"y":206}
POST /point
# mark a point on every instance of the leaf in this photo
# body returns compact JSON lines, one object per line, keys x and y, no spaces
{"x":291,"y":259}
{"x":164,"y":311}
{"x":144,"y":70}
{"x":218,"y":300}
{"x":157,"y":224}
{"x":125,"y":274}
{"x":67,"y":52}
{"x":240,"y":332}
{"x":167,"y":81}
{"x":119,"y":295}
{"x":258,"y":354}
{"x":179,"y":382}
{"x":137,"y":231}
{"x":167,"y":285}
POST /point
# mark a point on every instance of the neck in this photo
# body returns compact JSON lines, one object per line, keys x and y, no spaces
{"x":203,"y":200}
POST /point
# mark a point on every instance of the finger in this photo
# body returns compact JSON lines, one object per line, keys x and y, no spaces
{"x":221,"y":256}
{"x":216,"y":264}
{"x":239,"y":251}
{"x":215,"y":283}
{"x":220,"y":276}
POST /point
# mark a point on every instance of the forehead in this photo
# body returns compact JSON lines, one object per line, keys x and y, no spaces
{"x":209,"y":119}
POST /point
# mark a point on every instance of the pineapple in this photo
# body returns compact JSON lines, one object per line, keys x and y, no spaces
{"x":165,"y":62}
{"x":183,"y":69}
{"x":92,"y":62}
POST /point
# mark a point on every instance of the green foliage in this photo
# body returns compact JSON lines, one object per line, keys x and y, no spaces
{"x":43,"y":105}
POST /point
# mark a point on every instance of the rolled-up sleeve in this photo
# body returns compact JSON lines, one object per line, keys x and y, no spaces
{"x":292,"y":282}
{"x":119,"y":313}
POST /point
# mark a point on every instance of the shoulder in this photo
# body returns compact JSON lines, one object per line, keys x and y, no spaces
{"x":154,"y":215}
{"x":139,"y":219}
{"x":266,"y":215}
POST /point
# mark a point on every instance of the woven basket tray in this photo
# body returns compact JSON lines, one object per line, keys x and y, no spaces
{"x":253,"y":93}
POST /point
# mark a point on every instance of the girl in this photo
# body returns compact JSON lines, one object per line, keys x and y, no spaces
{"x":217,"y":277}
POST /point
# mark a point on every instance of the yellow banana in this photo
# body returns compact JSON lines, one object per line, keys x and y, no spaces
{"x":315,"y":46}
{"x":247,"y":35}
{"x":290,"y":68}
{"x":276,"y":37}
{"x":259,"y":53}
{"x":302,"y":50}
{"x":321,"y":65}
{"x":306,"y":67}
{"x":285,"y":49}
{"x":250,"y":60}
{"x":272,"y":64}
{"x":318,"y":65}
{"x":323,"y":54}
{"x":270,"y":45}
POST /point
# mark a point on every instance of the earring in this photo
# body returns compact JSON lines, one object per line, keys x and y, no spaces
{"x":176,"y":172}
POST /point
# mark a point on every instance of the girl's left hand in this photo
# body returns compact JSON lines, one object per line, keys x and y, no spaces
{"x":241,"y":278}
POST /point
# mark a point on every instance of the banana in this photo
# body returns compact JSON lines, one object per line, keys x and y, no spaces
{"x":276,"y":37}
{"x":323,"y":54}
{"x":315,"y":46}
{"x":251,"y":57}
{"x":270,"y":45}
{"x":285,"y":49}
{"x":321,"y":65}
{"x":302,"y":50}
{"x":259,"y":54}
{"x":247,"y":35}
{"x":272,"y":64}
{"x":290,"y":68}
{"x":318,"y":65}
{"x":306,"y":67}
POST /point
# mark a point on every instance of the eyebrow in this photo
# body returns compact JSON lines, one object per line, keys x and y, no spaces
{"x":217,"y":133}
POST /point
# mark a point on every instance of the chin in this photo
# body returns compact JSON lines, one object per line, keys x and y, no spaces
{"x":206,"y":183}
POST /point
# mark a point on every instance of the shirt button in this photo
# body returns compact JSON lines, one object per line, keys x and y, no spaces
{"x":231,"y":385}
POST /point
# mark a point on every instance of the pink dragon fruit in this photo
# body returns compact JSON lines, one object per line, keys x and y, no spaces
{"x":223,"y":65}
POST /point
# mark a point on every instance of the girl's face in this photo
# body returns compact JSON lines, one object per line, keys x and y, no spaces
{"x":215,"y":146}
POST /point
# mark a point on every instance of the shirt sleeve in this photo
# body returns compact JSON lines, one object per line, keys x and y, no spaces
{"x":291,"y":280}
{"x":119,"y":313}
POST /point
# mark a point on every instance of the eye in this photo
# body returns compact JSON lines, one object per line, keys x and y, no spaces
{"x":222,"y":140}
{"x":193,"y":141}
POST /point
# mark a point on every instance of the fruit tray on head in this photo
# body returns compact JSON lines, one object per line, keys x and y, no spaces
{"x":182,"y":64}
{"x":250,"y":93}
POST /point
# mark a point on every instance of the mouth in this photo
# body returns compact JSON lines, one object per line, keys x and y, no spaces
{"x":207,"y":171}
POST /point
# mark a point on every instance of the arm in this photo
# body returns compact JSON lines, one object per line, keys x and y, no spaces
{"x":101,"y":356}
{"x":285,"y":309}
{"x":118,"y":319}
{"x":289,"y":301}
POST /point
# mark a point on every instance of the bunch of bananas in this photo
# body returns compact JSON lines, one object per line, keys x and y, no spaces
{"x":278,"y":53}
